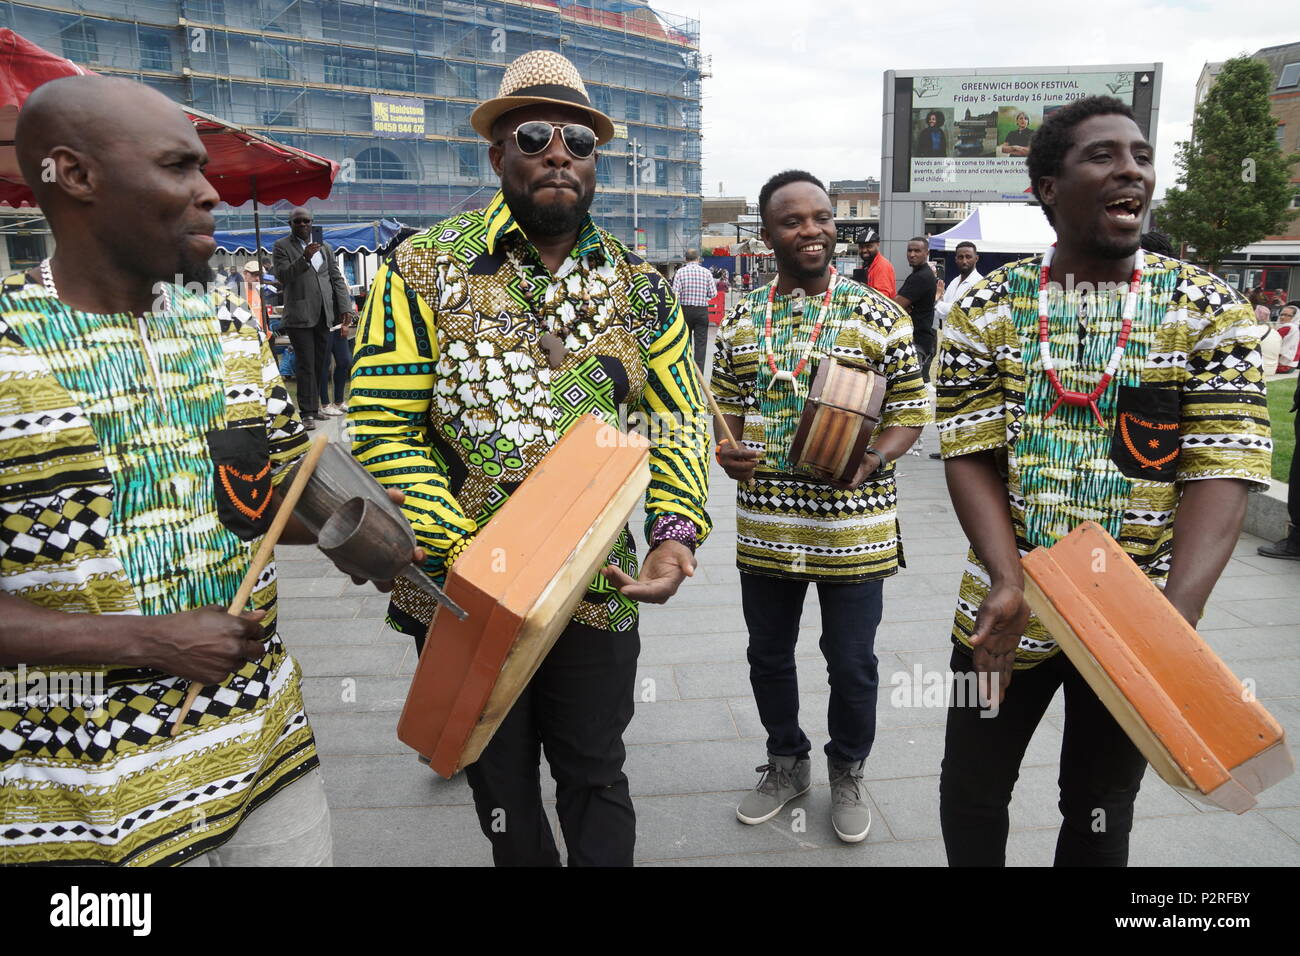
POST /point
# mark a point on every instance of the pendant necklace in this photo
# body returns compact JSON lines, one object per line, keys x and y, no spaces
{"x":553,"y":340}
{"x":784,"y":375}
{"x":1066,"y":396}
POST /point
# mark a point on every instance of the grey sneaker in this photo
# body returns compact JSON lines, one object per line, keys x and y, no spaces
{"x":784,"y":778}
{"x":850,"y":814}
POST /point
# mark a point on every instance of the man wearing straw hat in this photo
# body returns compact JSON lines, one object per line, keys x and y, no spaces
{"x":483,"y":339}
{"x":144,"y":431}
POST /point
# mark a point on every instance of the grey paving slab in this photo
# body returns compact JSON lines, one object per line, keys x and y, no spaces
{"x":315,"y":609}
{"x":705,"y":824}
{"x":314,"y":587}
{"x":325,"y":695}
{"x":1265,"y":612}
{"x":1287,"y":820}
{"x":358,"y":733}
{"x":1253,"y":643}
{"x":667,"y":720}
{"x":390,"y":781}
{"x":409,"y":836}
{"x":669,"y":649}
{"x":917,"y":853}
{"x":299,"y":633}
{"x":655,"y":683}
{"x":1220,"y":839}
{"x":349,"y":660}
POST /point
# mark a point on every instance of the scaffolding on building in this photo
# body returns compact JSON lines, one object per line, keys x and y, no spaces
{"x":309,"y":72}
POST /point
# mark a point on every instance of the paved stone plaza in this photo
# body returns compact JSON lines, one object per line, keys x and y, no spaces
{"x":693,"y":750}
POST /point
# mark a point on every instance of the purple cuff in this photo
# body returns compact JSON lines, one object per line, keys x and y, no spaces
{"x":673,"y":527}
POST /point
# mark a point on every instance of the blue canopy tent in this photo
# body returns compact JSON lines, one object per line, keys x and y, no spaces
{"x":344,"y":237}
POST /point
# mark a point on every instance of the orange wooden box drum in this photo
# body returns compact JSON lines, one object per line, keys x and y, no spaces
{"x":520,"y":581}
{"x":843,"y":409}
{"x":1199,"y":727}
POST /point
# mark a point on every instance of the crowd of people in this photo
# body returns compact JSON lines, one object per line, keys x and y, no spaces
{"x":481,"y":341}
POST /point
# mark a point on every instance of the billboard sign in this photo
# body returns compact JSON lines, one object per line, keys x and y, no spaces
{"x":964,"y":134}
{"x":397,"y":117}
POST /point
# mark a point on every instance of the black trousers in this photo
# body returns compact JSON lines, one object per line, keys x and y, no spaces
{"x":575,"y":708}
{"x":1101,"y":770}
{"x":311,"y":352}
{"x":1293,"y":490}
{"x":926,"y":341}
{"x":697,"y":320}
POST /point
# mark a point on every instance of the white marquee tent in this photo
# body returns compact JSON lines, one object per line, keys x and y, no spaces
{"x":1000,"y":227}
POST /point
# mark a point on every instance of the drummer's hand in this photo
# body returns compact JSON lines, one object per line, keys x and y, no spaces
{"x":999,"y":623}
{"x":662,"y":573}
{"x":868,"y":465}
{"x":738,"y":464}
{"x":417,"y":556}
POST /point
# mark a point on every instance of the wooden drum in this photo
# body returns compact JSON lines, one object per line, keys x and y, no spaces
{"x":1192,"y":718}
{"x":520,"y":580}
{"x":842,"y":411}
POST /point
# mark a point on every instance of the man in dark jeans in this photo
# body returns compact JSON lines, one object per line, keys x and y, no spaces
{"x":695,"y":288}
{"x":793,"y":529}
{"x":1289,"y":547}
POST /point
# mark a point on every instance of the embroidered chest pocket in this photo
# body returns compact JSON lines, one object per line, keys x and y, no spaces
{"x":1146,"y":442}
{"x":241,"y":479}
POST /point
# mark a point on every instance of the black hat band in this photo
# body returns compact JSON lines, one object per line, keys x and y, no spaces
{"x":553,"y":91}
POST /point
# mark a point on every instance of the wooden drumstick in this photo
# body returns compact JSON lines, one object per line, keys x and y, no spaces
{"x":717,"y":412}
{"x":260,"y":559}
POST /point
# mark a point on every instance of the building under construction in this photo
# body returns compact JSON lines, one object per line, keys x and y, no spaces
{"x":385,"y":88}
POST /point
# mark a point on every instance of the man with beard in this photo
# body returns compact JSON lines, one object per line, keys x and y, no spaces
{"x":145,"y":430}
{"x":791,"y":528}
{"x":878,"y":272}
{"x":1135,"y":400}
{"x":483,"y":339}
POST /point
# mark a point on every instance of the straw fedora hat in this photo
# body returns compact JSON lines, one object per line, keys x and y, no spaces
{"x":540,"y":76}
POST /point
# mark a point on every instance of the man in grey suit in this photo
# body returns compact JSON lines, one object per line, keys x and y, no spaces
{"x":315,"y":300}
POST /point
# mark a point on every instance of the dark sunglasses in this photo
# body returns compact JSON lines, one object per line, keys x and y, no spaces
{"x":533,"y":137}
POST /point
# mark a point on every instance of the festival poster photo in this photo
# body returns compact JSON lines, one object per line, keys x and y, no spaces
{"x":972,"y":133}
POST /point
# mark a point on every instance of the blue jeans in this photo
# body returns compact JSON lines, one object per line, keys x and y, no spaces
{"x":850,"y":615}
{"x":340,"y":349}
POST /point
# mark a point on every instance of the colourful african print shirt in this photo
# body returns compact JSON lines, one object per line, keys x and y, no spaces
{"x":1188,"y":404}
{"x":138,"y":456}
{"x":792,"y":526}
{"x":454,"y":402}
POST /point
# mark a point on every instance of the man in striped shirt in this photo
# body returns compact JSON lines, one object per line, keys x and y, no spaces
{"x":695,"y":288}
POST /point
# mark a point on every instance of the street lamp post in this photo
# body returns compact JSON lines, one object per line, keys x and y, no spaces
{"x":635,"y":146}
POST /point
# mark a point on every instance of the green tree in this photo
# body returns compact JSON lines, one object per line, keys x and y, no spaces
{"x":1234,"y":185}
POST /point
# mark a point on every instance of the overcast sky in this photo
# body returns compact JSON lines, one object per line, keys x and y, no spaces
{"x":797,"y":83}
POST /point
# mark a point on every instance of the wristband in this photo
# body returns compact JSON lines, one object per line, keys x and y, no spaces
{"x":881,"y":461}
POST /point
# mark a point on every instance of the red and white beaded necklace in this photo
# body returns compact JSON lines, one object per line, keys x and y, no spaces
{"x":784,"y":375}
{"x":1064,"y":395}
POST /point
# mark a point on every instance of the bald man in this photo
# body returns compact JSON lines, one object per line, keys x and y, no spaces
{"x":144,"y":430}
{"x":316,"y":302}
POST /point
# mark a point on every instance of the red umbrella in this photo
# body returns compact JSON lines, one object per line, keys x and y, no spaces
{"x":242,"y":165}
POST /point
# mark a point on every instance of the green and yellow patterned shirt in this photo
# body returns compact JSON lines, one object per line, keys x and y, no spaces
{"x":794,"y":526}
{"x":1187,"y":404}
{"x":454,"y":402}
{"x":138,"y":457}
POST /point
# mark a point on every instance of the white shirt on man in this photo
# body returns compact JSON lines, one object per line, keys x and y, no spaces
{"x":954,"y":291}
